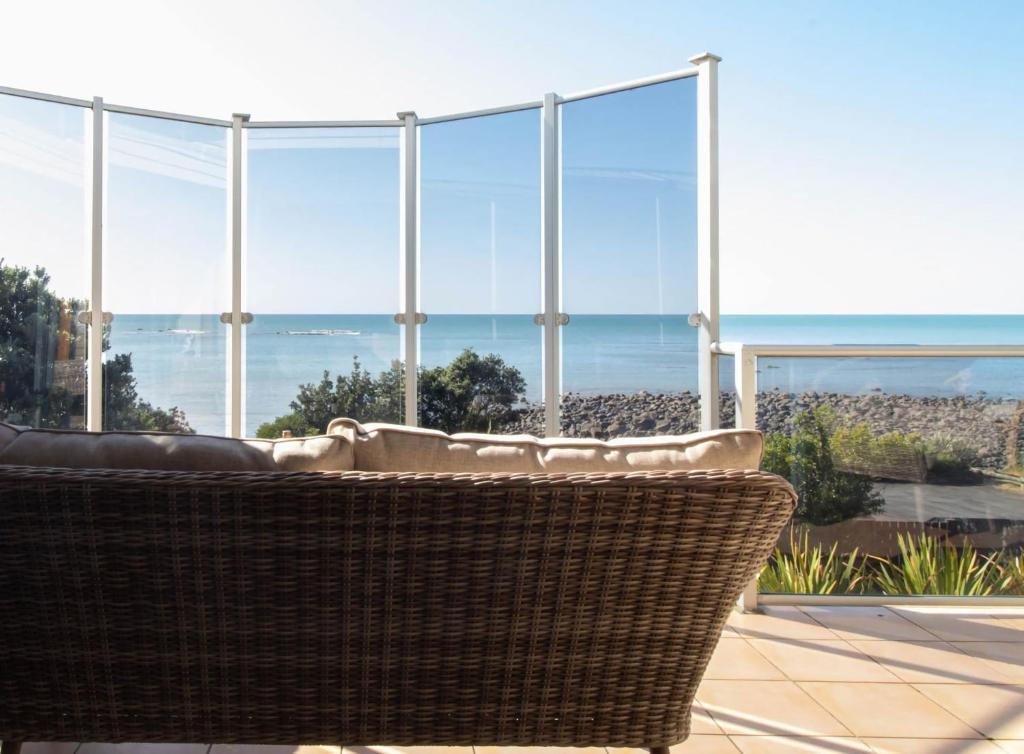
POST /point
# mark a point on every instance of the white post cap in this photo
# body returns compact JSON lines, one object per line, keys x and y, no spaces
{"x":705,"y":57}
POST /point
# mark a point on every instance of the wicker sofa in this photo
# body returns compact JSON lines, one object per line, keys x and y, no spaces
{"x":369,"y":607}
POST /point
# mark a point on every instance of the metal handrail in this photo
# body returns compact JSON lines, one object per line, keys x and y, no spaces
{"x":349,"y":123}
{"x":863,"y":350}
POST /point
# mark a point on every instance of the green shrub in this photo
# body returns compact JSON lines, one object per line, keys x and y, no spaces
{"x":33,"y":320}
{"x":827,"y":495}
{"x":358,"y":395}
{"x":810,"y":570}
{"x":890,"y":456}
{"x":951,"y":459}
{"x":294,"y":423}
{"x":471,"y":394}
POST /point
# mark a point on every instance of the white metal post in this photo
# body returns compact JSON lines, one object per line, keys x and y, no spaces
{"x":237,"y":199}
{"x":410,"y":254}
{"x":551,"y":264}
{"x":707,"y":234}
{"x":746,"y":388}
{"x":746,"y":418}
{"x":94,"y":367}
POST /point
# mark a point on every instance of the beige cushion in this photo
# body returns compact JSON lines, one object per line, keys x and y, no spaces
{"x":319,"y":453}
{"x":7,"y":433}
{"x":172,"y":452}
{"x":390,"y":447}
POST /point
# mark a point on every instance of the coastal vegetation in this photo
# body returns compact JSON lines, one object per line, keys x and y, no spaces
{"x":806,"y":457}
{"x":924,"y":565}
{"x":812,"y":570}
{"x":42,"y":363}
{"x":472,"y":393}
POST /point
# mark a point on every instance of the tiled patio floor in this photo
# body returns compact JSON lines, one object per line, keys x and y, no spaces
{"x":845,"y":680}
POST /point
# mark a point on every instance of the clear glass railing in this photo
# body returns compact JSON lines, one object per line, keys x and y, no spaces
{"x":909,"y":463}
{"x":529,"y":268}
{"x":166,"y":275}
{"x":321,"y":278}
{"x":629,"y":258}
{"x":44,"y":262}
{"x":480,"y":270}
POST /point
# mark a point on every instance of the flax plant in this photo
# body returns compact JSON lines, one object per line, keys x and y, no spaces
{"x":927,"y":566}
{"x":1011,"y":574}
{"x":812,"y":570}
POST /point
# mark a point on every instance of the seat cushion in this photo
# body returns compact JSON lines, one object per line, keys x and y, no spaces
{"x":390,"y":447}
{"x":7,"y":434}
{"x":171,"y":452}
{"x":318,"y":453}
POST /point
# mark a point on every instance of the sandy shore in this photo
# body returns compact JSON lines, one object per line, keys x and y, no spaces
{"x":993,"y":427}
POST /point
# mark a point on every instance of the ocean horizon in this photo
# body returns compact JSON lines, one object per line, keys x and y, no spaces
{"x":181,"y":359}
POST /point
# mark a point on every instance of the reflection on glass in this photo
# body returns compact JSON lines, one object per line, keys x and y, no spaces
{"x":44,"y":272}
{"x":629,"y":261}
{"x":908,"y":467}
{"x":322,"y":278}
{"x":166,"y":275}
{"x":481,"y":278}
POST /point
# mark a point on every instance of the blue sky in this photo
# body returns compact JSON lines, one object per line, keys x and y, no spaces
{"x":871,"y":152}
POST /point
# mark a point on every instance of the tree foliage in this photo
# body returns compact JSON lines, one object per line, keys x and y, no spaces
{"x":123,"y":409}
{"x":471,"y":394}
{"x":827,"y":495}
{"x":35,"y":326}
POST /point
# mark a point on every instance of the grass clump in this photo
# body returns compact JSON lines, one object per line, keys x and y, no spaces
{"x":812,"y":570}
{"x":925,"y":565}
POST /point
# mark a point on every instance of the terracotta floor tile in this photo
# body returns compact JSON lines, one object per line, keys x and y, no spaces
{"x":786,"y":744}
{"x":523,"y":750}
{"x":886,"y":710}
{"x":995,"y":711}
{"x":808,"y":660}
{"x":102,"y":748}
{"x":867,"y":623}
{"x":736,"y":659}
{"x":702,"y":724}
{"x":1005,"y":657}
{"x":960,"y":624}
{"x":931,"y":746}
{"x":929,"y":662}
{"x":249,"y":749}
{"x":417,"y":750}
{"x":693,"y":745}
{"x":779,"y":623}
{"x":729,"y":632}
{"x":766,"y":708}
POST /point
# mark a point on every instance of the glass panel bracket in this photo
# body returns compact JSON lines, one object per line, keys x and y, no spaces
{"x":561,"y":319}
{"x":86,"y":318}
{"x":225,"y":318}
{"x":420,"y":318}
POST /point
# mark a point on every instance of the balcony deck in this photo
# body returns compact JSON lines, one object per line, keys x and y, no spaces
{"x":898,"y":680}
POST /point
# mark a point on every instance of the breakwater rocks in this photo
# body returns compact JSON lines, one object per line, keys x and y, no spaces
{"x":992,"y":427}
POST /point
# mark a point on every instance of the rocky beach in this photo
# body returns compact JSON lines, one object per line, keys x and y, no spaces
{"x":993,"y":427}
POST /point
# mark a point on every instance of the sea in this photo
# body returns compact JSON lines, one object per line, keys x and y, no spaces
{"x":181,"y":360}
